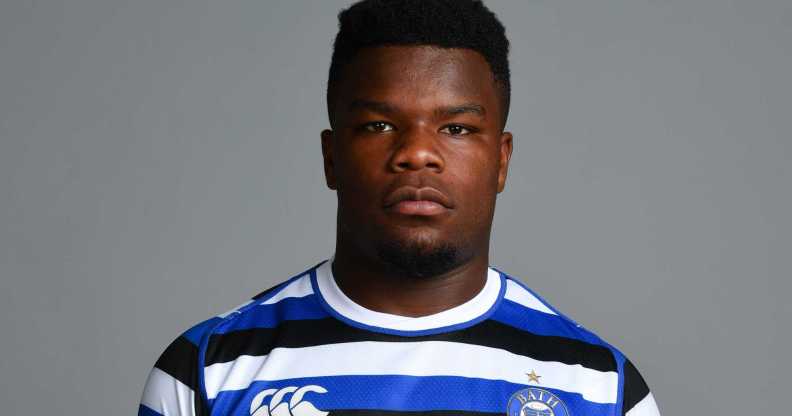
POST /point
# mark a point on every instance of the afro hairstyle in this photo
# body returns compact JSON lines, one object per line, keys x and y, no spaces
{"x":465,"y":24}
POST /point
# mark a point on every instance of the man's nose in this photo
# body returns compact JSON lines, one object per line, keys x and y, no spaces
{"x":417,"y":149}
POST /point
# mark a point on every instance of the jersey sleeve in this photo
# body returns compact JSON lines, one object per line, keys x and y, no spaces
{"x":173,"y":387}
{"x":637,"y":399}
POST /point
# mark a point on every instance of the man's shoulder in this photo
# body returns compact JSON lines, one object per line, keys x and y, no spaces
{"x":291,"y":299}
{"x":551,"y":335}
{"x":523,"y":308}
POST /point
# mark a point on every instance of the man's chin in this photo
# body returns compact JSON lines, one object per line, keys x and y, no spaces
{"x":419,"y":259}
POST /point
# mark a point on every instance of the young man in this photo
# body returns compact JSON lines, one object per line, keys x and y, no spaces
{"x":406,"y":318}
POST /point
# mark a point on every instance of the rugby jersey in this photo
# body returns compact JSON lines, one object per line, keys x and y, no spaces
{"x":303,"y":348}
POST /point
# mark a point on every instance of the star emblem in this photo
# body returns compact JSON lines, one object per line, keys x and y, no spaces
{"x":533,"y":377}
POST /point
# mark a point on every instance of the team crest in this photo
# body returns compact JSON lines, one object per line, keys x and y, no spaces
{"x":535,"y":402}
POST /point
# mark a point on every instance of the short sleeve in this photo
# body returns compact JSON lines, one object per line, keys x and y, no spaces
{"x":637,"y":399}
{"x":172,"y":387}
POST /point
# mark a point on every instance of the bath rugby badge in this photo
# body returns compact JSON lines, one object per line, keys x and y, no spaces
{"x":535,"y":402}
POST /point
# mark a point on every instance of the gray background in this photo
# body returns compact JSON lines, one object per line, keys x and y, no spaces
{"x":160,"y":163}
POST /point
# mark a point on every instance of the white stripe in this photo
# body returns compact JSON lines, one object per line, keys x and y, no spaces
{"x":465,"y":312}
{"x":517,"y":293}
{"x":646,"y":407}
{"x":167,"y":396}
{"x":296,"y":289}
{"x":427,"y":358}
{"x":235,"y":310}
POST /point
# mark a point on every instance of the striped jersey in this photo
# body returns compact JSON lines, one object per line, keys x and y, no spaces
{"x":303,"y":348}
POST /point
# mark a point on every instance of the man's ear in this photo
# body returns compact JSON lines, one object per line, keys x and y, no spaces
{"x":506,"y":147}
{"x":327,"y":157}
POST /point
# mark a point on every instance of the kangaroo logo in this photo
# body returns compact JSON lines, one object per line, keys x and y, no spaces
{"x":294,"y":407}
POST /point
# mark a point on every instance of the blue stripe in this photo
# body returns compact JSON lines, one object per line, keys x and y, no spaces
{"x":269,"y":316}
{"x":197,"y":332}
{"x":539,"y":323}
{"x":586,"y":335}
{"x":620,"y":358}
{"x":146,"y":411}
{"x":402,"y":393}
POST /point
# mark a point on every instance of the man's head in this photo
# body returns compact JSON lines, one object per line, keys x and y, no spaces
{"x":417,"y":98}
{"x":464,"y":24}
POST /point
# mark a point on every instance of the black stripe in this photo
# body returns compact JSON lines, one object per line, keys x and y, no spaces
{"x":180,"y":361}
{"x":635,"y":388}
{"x":420,"y":413}
{"x":489,"y":333}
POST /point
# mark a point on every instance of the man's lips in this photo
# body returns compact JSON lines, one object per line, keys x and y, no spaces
{"x":409,"y":200}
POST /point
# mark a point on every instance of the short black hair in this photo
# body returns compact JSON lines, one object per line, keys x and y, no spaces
{"x":466,"y":24}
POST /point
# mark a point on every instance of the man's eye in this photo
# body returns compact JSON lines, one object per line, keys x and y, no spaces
{"x":378,"y":127}
{"x":455,"y":130}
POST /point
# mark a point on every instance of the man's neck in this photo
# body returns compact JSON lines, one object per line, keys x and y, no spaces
{"x":376,"y":287}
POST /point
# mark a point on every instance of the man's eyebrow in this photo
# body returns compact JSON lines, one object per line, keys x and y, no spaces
{"x":461,"y":109}
{"x":378,"y":106}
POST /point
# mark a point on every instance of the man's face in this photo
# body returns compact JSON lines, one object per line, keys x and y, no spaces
{"x":417,"y":156}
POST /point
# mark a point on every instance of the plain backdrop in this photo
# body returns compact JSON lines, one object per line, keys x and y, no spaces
{"x":160,"y":163}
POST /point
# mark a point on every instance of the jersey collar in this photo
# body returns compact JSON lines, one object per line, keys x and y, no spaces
{"x":466,"y":314}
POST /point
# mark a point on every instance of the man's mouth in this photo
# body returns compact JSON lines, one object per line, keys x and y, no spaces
{"x":410,"y":200}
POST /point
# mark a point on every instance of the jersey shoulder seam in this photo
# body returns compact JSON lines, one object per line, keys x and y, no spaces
{"x":231,"y":316}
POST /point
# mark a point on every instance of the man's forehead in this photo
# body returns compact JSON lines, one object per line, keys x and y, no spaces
{"x":456,"y":77}
{"x":424,"y":60}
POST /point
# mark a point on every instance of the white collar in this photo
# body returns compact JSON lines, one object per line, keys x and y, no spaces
{"x":458,"y":315}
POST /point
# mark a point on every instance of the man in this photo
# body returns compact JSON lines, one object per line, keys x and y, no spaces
{"x":406,"y":318}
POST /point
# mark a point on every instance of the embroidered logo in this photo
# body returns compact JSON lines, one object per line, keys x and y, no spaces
{"x":535,"y":402}
{"x":277,"y":406}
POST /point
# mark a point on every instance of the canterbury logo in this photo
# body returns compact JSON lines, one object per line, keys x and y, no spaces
{"x":295,"y":406}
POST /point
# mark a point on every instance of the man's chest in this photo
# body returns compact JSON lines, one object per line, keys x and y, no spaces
{"x":428,"y":377}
